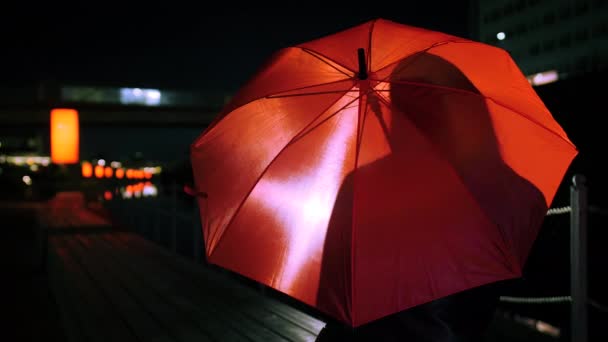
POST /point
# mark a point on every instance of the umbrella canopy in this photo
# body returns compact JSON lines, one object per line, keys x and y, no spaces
{"x":379,"y":168}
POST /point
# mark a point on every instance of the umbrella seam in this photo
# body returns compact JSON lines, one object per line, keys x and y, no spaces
{"x":362,"y":115}
{"x":507,"y":249}
{"x":456,"y":41}
{"x":321,"y":57}
{"x":220,"y":117}
{"x":309,"y":128}
{"x":434,"y":45}
{"x":515,"y":111}
{"x":457,"y":90}
{"x":360,"y":112}
{"x":369,"y":45}
{"x":238,"y":209}
{"x":309,"y":94}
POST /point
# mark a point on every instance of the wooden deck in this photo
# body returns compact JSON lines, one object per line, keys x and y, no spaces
{"x":113,"y":285}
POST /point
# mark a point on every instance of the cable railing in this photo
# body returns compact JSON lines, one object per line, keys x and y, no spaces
{"x":578,"y":299}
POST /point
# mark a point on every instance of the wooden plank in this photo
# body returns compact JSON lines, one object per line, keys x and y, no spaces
{"x":98,"y":317}
{"x":143,"y":324}
{"x":244,"y":293}
{"x":263,"y":310}
{"x":208,"y":310}
{"x":182,"y":326}
{"x":69,"y":319}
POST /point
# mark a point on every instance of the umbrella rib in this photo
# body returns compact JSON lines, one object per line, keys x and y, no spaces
{"x":508,"y":253}
{"x":434,"y":45}
{"x":463,"y":91}
{"x":308,"y":94}
{"x":266,"y":96}
{"x":325,"y":60}
{"x":308,"y":129}
{"x":369,"y":45}
{"x":360,"y":122}
{"x":289,"y":143}
{"x":531,"y":120}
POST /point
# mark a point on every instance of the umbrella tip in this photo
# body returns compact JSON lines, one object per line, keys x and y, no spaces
{"x":362,"y":64}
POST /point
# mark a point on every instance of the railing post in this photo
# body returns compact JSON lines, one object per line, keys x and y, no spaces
{"x":174,"y":218}
{"x":578,"y":259}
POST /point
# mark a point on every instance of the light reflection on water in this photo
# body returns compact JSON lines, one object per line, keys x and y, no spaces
{"x":131,"y":191}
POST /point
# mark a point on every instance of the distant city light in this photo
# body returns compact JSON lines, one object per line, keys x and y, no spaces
{"x":99,"y":171}
{"x":22,"y":160}
{"x":101,"y":162}
{"x":108,"y":172}
{"x":27,"y":180}
{"x":87,"y":169}
{"x":120,"y":173}
{"x":501,"y":35}
{"x":544,"y":77}
{"x":146,"y":97}
{"x":65,"y":137}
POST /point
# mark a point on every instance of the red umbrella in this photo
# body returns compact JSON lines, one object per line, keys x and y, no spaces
{"x":377,"y":169}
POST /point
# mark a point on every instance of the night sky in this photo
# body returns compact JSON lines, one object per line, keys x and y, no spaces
{"x":183,"y":47}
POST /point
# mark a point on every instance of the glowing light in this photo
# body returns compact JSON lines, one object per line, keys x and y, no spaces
{"x":544,"y":77}
{"x":150,"y":190}
{"x":64,"y":136}
{"x":501,"y":36}
{"x":120,"y":173}
{"x":34,"y":167}
{"x":147,"y":97}
{"x":99,"y":171}
{"x":17,"y":160}
{"x":153,"y":170}
{"x":126,"y":192}
{"x":86,"y":169}
{"x":115,"y":164}
{"x":107,"y":195}
{"x":108,"y":172}
{"x":130,"y":173}
{"x":101,"y":162}
{"x":27,"y":180}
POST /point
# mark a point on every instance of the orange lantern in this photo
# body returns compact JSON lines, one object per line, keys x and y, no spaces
{"x":64,"y":136}
{"x":87,"y":169}
{"x":120,"y":173}
{"x":130,"y":173}
{"x":108,"y":172}
{"x":107,"y":195}
{"x":99,"y":171}
{"x":147,"y":175}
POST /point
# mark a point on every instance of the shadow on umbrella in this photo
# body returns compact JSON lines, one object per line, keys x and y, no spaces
{"x":436,"y":224}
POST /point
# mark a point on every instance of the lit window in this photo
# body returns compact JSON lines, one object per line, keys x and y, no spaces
{"x":138,"y":96}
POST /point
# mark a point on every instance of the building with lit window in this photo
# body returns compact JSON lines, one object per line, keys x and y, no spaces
{"x":568,"y":36}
